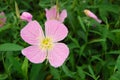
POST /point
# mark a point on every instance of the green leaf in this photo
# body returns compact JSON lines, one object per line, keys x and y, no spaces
{"x":115,"y":76}
{"x":55,"y":73}
{"x":109,"y":8}
{"x":92,"y":74}
{"x":35,"y":71}
{"x":10,"y":47}
{"x":26,"y":4}
{"x":14,"y":62}
{"x":118,"y":63}
{"x":83,"y":35}
{"x":81,"y":72}
{"x":72,"y":21}
{"x":5,"y":27}
{"x":97,"y":40}
{"x":95,"y":32}
{"x":81,"y":23}
{"x":115,"y":30}
{"x":114,"y":52}
{"x":67,"y":71}
{"x":25,"y":67}
{"x":72,"y":60}
{"x":76,"y":43}
{"x":103,"y":14}
{"x":91,"y":71}
{"x":82,"y":48}
{"x":3,"y":76}
{"x":17,"y":10}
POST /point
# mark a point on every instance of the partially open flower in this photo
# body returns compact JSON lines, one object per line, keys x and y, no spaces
{"x":92,"y":15}
{"x":53,"y":13}
{"x":2,"y":19}
{"x":26,"y":16}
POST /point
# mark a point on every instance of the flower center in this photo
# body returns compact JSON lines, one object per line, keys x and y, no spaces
{"x":46,"y":43}
{"x":1,"y":22}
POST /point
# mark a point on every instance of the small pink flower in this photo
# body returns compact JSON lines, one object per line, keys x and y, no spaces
{"x":45,"y":46}
{"x":92,"y":15}
{"x":2,"y":19}
{"x":53,"y":13}
{"x":26,"y":16}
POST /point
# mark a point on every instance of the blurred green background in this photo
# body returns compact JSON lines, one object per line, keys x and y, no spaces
{"x":94,"y":48}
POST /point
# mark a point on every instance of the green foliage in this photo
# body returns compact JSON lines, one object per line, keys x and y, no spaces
{"x":94,"y":47}
{"x":3,"y":76}
{"x":10,"y":47}
{"x":25,"y":68}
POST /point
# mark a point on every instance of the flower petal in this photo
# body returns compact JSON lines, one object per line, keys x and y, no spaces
{"x":51,"y":13}
{"x":32,"y":33}
{"x":26,"y":16}
{"x":63,"y":15}
{"x":34,"y":54}
{"x":58,"y":54}
{"x":2,"y":19}
{"x":56,"y":30}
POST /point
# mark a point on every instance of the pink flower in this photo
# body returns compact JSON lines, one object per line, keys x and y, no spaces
{"x":2,"y":19}
{"x":45,"y":46}
{"x":26,"y":16}
{"x":53,"y":13}
{"x":92,"y":15}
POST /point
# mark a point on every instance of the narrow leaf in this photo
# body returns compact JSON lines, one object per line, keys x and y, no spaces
{"x":10,"y":47}
{"x":55,"y":73}
{"x":3,"y":76}
{"x":81,"y":23}
{"x":25,"y":67}
{"x":17,"y":10}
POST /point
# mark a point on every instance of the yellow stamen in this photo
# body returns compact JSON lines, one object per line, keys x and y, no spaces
{"x":1,"y":22}
{"x":46,"y":43}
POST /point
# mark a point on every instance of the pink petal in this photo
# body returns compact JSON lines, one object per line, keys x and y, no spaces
{"x":34,"y":54}
{"x":51,"y":13}
{"x":98,"y":20}
{"x":32,"y":33}
{"x":56,"y":30}
{"x":26,"y":16}
{"x":63,"y":15}
{"x":2,"y":19}
{"x":58,"y":54}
